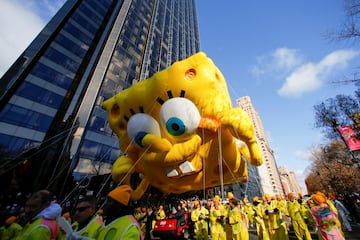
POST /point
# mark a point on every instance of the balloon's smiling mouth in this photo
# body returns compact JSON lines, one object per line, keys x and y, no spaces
{"x":184,"y":168}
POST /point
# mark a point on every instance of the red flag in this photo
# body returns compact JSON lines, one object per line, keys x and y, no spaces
{"x":350,"y":137}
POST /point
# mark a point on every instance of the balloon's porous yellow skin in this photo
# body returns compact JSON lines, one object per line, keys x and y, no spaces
{"x":178,"y":130}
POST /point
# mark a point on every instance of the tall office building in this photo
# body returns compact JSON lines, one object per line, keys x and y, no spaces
{"x":269,"y":177}
{"x":51,"y":117}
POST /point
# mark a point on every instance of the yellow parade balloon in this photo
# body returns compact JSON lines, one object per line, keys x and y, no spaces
{"x":177,"y":127}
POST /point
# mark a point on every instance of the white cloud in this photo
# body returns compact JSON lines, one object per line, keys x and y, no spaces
{"x":303,"y":154}
{"x":20,"y":22}
{"x":304,"y":79}
{"x":286,"y":58}
{"x":300,"y":77}
{"x":338,"y":59}
{"x":18,"y":27}
{"x":310,"y":76}
{"x":280,"y":61}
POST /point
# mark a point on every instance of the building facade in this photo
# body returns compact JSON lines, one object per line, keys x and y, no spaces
{"x":289,"y":181}
{"x":269,"y":177}
{"x":51,"y":117}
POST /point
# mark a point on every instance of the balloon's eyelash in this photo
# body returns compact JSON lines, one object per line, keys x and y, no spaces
{"x":141,"y":109}
{"x":170,"y":95}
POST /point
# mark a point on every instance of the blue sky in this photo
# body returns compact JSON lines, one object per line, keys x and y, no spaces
{"x":275,"y":52}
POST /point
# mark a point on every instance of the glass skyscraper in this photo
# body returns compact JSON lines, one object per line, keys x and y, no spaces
{"x":51,"y":117}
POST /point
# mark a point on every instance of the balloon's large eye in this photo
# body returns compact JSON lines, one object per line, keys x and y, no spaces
{"x":141,"y":124}
{"x":179,"y":116}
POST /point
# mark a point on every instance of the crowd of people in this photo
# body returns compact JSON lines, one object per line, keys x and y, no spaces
{"x":40,"y":216}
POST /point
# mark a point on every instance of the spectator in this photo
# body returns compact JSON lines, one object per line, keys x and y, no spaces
{"x":352,"y":203}
{"x":140,"y":216}
{"x":87,"y":222}
{"x":180,"y":216}
{"x":149,"y":222}
{"x":40,"y":216}
{"x":343,"y":213}
{"x":160,"y":213}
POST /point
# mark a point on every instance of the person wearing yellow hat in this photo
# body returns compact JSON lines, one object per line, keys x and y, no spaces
{"x":247,"y":208}
{"x":325,"y":218}
{"x":258,"y":208}
{"x":228,"y":227}
{"x":281,"y":205}
{"x":237,"y":221}
{"x":11,"y":229}
{"x":200,"y":216}
{"x":297,"y":220}
{"x":140,"y":216}
{"x":274,"y":223}
{"x":119,"y":222}
{"x":87,"y":221}
{"x":230,"y":195}
{"x":160,"y":213}
{"x":218,"y":216}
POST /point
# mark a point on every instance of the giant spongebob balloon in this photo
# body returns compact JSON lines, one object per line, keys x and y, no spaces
{"x":178,"y":129}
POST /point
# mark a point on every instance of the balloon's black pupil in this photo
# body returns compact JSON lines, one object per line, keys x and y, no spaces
{"x":175,"y":126}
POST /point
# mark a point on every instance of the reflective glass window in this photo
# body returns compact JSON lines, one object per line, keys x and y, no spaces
{"x":14,"y":145}
{"x":84,"y":22}
{"x":90,"y":13}
{"x":25,"y":118}
{"x":108,"y":89}
{"x":77,"y":33}
{"x":39,"y":95}
{"x":49,"y":74}
{"x":96,"y":123}
{"x":99,"y":152}
{"x":100,"y":5}
{"x":61,"y":59}
{"x":89,"y":149}
{"x":73,"y":47}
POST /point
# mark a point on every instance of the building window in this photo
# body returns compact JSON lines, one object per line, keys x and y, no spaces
{"x":25,"y":118}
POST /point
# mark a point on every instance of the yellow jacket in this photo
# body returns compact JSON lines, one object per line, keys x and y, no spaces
{"x":125,"y":227}
{"x":92,"y":229}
